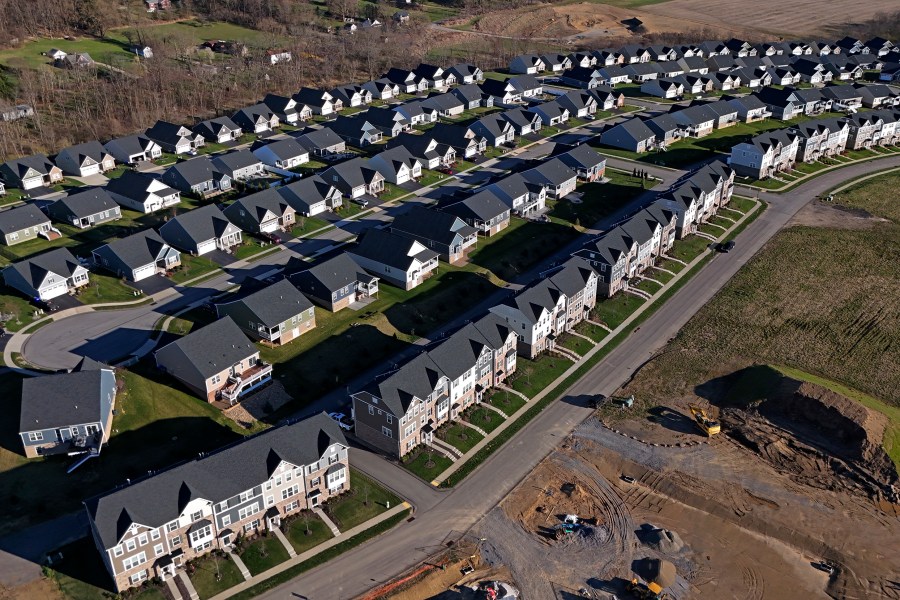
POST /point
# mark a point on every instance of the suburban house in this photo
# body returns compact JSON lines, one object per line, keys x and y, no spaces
{"x":436,"y":77}
{"x":258,"y":118}
{"x":403,"y":410}
{"x":523,"y":121}
{"x":445,"y":233}
{"x":822,"y":137}
{"x":239,"y":165}
{"x":83,"y":160}
{"x":175,"y":139}
{"x":29,"y":172}
{"x":613,"y":75}
{"x":336,"y":283}
{"x":483,"y":211}
{"x":607,"y":98}
{"x":151,"y":527}
{"x":409,"y":82}
{"x":865,"y":130}
{"x":311,"y":196}
{"x":501,"y":92}
{"x":85,"y":208}
{"x":274,"y":315}
{"x":68,"y":413}
{"x":696,"y":199}
{"x":465,"y":73}
{"x":381,"y":89}
{"x":355,"y":178}
{"x":530,"y":64}
{"x":554,"y":175}
{"x":646,"y":71}
{"x":263,"y":212}
{"x":587,"y":163}
{"x":390,"y":122}
{"x":198,"y":176}
{"x":519,"y":194}
{"x":446,"y":104}
{"x":322,"y":142}
{"x":697,"y":121}
{"x":397,"y":165}
{"x":46,"y":276}
{"x":351,"y":95}
{"x":843,"y":96}
{"x":463,"y":140}
{"x":133,"y":149}
{"x":788,"y":103}
{"x":495,"y":128}
{"x":664,"y":87}
{"x":878,"y":96}
{"x":141,"y":192}
{"x":551,"y":113}
{"x":216,"y":362}
{"x":137,"y":256}
{"x":749,"y":108}
{"x":472,"y":97}
{"x":583,"y":59}
{"x":394,"y":258}
{"x":765,"y":154}
{"x":283,"y":154}
{"x":23,"y":223}
{"x":201,"y":230}
{"x":220,"y":130}
{"x":632,"y":135}
{"x":426,"y":150}
{"x":286,"y":109}
{"x":556,"y":63}
{"x":579,"y":104}
{"x":666,"y":128}
{"x":356,"y":130}
{"x":584,"y":77}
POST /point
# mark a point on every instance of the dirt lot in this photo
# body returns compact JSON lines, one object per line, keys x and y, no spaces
{"x":827,"y":214}
{"x":449,"y":583}
{"x":797,"y":17}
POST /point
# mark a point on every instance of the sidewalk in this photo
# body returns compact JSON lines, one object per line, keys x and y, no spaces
{"x":584,"y":359}
{"x":291,"y":562}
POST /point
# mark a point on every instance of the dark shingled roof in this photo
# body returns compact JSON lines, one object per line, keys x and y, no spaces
{"x":35,"y":269}
{"x":64,"y":399}
{"x":275,"y":303}
{"x":332,"y":274}
{"x":136,"y":250}
{"x":389,"y":248}
{"x":215,"y":347}
{"x":218,"y":476}
{"x":83,"y":204}
{"x":21,"y":217}
{"x":482,"y":206}
{"x":431,"y":224}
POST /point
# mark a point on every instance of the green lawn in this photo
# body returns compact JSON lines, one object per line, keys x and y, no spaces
{"x":519,"y":246}
{"x":594,"y":332}
{"x":156,"y":425}
{"x":741,"y":204}
{"x":214,"y":147}
{"x":598,"y":200}
{"x":613,"y":311}
{"x":30,"y":54}
{"x":505,"y":401}
{"x":214,"y":574}
{"x":305,"y":530}
{"x":646,"y":285}
{"x":689,"y":248}
{"x":251,"y":247}
{"x":306,"y":225}
{"x":576,"y":344}
{"x":533,"y":376}
{"x":459,"y":436}
{"x":262,"y":554}
{"x":392,"y":192}
{"x":16,"y":312}
{"x":192,"y":267}
{"x":103,"y":289}
{"x":484,"y":418}
{"x":196,"y":32}
{"x":365,"y":500}
{"x":430,"y":177}
{"x":426,"y":463}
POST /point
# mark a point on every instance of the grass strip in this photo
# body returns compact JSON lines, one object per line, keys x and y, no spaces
{"x":322,"y":557}
{"x":505,"y":435}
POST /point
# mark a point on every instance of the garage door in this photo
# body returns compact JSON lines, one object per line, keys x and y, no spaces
{"x":90,"y":170}
{"x":55,"y":290}
{"x":204,"y":247}
{"x":144,"y":272}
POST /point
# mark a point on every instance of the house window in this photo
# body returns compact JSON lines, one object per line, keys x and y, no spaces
{"x":390,"y":419}
{"x":386,"y":431}
{"x":268,"y":485}
{"x":215,"y":379}
{"x":138,"y":577}
{"x":245,"y":496}
{"x":15,"y":236}
{"x":134,"y":561}
{"x":248,"y":510}
{"x":197,"y":515}
{"x":226,"y":520}
{"x":251,"y":526}
{"x":176,"y":541}
{"x":198,"y":535}
{"x":37,"y":436}
{"x":158,"y":549}
{"x":291,"y":491}
{"x":371,"y":412}
{"x":172,"y":526}
{"x":315,"y":482}
{"x":117,"y":551}
{"x":130,"y":545}
{"x":142,"y":539}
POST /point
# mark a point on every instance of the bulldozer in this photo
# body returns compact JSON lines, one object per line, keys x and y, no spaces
{"x":645,"y":591}
{"x":709,"y":426}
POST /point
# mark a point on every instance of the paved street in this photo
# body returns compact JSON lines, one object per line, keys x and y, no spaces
{"x":392,"y":553}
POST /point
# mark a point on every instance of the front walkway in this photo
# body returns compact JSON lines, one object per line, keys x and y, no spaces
{"x":300,"y":558}
{"x":318,"y":510}
{"x":472,"y":426}
{"x":490,"y":406}
{"x":284,"y":541}
{"x":446,"y":449}
{"x":245,"y":572}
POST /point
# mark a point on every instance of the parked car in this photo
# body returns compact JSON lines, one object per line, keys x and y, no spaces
{"x":271,"y":237}
{"x":364,"y":202}
{"x":445,"y":170}
{"x":343,"y":420}
{"x":726,"y":247}
{"x":627,"y":478}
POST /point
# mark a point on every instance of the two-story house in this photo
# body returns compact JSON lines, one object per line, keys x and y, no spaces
{"x":273,"y":315}
{"x":336,"y":283}
{"x":394,"y":258}
{"x":142,"y":193}
{"x":445,"y":233}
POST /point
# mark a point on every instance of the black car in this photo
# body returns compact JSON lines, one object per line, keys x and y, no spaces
{"x":727,"y":246}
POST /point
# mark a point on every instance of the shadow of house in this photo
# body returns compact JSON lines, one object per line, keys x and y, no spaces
{"x":114,"y":346}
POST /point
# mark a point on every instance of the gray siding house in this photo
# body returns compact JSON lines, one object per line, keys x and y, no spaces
{"x":336,"y":283}
{"x":24,"y":223}
{"x":85,"y":209}
{"x":274,"y":315}
{"x":46,"y":275}
{"x":138,"y":256}
{"x":201,"y":230}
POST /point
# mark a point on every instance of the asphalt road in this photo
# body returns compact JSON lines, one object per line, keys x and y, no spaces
{"x":458,"y":510}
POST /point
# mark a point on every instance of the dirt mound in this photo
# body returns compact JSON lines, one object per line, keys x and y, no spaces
{"x":661,"y":540}
{"x":820,"y":437}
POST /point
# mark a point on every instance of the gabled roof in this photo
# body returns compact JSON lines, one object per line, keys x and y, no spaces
{"x":494,"y":87}
{"x":251,"y":210}
{"x":482,"y":206}
{"x":573,"y":277}
{"x":311,"y":96}
{"x":397,"y":251}
{"x":354,"y":172}
{"x":518,"y":117}
{"x":431,"y":224}
{"x":316,"y":139}
{"x":196,"y":170}
{"x":215,"y":347}
{"x":306,"y":192}
{"x":201,"y":224}
{"x":443,"y":102}
{"x":550,"y":172}
{"x":581,"y":156}
{"x":21,"y":217}
{"x":80,"y":152}
{"x":469,"y":92}
{"x":495,"y":124}
{"x":524,"y":83}
{"x":332,"y":274}
{"x":64,"y":399}
{"x":534,"y":300}
{"x":84,"y":203}
{"x":167,"y":132}
{"x":464,"y":70}
{"x":255,"y":113}
{"x":634,"y":127}
{"x":132,"y":144}
{"x":214,"y":127}
{"x":38,"y":162}
{"x":459,"y":352}
{"x":275,"y":303}
{"x":235,"y":160}
{"x":841,"y":92}
{"x":283,"y":149}
{"x":136,"y":250}
{"x":217,"y":476}
{"x":36,"y":268}
{"x":418,"y":378}
{"x":136,"y":185}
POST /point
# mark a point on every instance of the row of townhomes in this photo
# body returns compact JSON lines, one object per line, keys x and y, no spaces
{"x":152,"y":527}
{"x":403,"y":410}
{"x":770,"y":153}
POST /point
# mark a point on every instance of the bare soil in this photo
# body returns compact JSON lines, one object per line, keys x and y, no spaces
{"x":835,"y":216}
{"x":43,"y":588}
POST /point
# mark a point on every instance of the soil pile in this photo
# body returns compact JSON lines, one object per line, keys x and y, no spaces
{"x":821,"y":438}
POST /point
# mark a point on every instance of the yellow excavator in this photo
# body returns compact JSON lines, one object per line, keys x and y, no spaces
{"x":709,"y":426}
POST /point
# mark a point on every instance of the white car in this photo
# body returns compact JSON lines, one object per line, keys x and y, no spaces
{"x":342,"y":420}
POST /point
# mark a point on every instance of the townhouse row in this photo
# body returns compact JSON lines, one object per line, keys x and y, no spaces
{"x":151,"y":527}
